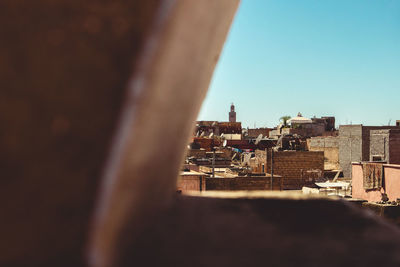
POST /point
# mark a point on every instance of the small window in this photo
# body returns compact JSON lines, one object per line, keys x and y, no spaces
{"x":377,"y":158}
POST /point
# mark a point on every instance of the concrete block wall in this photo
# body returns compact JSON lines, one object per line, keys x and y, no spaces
{"x":379,"y":145}
{"x":350,"y":146}
{"x":330,"y":147}
{"x":293,"y":166}
{"x":354,"y":144}
{"x":326,"y":142}
{"x":367,"y":136}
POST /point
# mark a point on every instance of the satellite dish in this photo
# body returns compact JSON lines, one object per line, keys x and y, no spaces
{"x":198,"y":133}
{"x":211,"y":135}
{"x":202,"y":134}
{"x":224,"y":143}
{"x":259,"y":137}
{"x":222,"y":135}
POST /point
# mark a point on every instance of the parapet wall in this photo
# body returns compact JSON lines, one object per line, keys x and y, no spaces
{"x":243,"y":183}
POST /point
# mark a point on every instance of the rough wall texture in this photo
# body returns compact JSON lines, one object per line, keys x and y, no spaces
{"x":197,"y":153}
{"x":391,"y":185}
{"x":296,"y":166}
{"x":306,"y":130}
{"x":266,"y":232}
{"x":257,"y":163}
{"x":354,"y":144}
{"x":386,"y":145}
{"x":254,"y":133}
{"x":366,"y":134}
{"x":330,"y":147}
{"x":394,"y":147}
{"x":191,"y":183}
{"x":350,"y":146}
{"x":244,"y":183}
{"x":379,"y":145}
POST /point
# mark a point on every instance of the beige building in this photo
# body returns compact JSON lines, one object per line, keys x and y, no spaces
{"x":330,"y":146}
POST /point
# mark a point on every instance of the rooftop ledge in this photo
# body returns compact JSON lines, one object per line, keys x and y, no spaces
{"x":258,"y":194}
{"x":386,"y":165}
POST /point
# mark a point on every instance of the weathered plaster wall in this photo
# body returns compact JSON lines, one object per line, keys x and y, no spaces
{"x":391,"y":183}
{"x":330,"y":147}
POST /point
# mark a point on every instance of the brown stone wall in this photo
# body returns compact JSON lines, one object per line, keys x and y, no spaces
{"x":306,"y":130}
{"x":257,"y":131}
{"x":191,"y":183}
{"x":197,"y":153}
{"x":205,"y":143}
{"x":296,"y":166}
{"x":230,"y":127}
{"x":243,"y":183}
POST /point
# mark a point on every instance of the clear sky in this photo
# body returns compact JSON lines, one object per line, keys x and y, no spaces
{"x":319,"y":57}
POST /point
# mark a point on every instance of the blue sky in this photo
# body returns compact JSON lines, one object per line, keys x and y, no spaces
{"x":319,"y":57}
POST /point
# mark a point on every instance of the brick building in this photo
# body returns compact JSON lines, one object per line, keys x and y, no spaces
{"x":299,"y":168}
{"x":354,"y":144}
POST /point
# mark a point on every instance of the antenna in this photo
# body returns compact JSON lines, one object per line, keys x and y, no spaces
{"x":259,"y":137}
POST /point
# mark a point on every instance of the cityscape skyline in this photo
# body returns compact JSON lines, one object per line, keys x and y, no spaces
{"x":335,"y":58}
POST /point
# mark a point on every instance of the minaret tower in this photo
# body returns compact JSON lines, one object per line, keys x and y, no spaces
{"x":232,"y":114}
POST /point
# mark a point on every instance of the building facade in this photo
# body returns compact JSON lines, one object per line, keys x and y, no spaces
{"x":354,"y":144}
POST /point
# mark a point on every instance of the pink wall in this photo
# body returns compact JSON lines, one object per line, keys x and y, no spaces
{"x":392,"y":183}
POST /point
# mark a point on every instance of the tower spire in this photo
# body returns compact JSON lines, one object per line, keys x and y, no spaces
{"x":232,"y":114}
